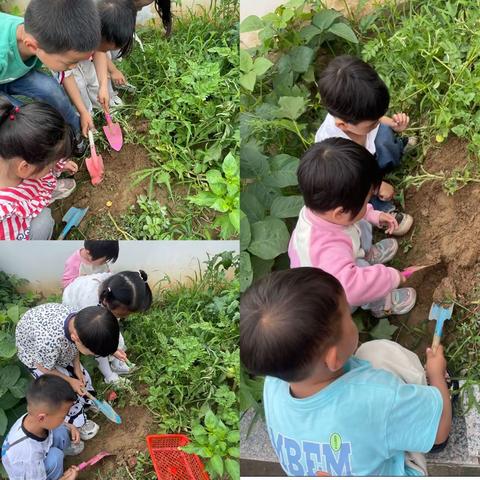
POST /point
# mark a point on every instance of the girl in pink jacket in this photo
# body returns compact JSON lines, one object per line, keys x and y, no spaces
{"x":334,"y":230}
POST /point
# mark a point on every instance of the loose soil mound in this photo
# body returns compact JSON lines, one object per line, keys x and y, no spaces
{"x":447,"y":234}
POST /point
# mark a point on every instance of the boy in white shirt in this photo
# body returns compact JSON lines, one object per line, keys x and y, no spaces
{"x":37,"y":443}
{"x":357,"y":99}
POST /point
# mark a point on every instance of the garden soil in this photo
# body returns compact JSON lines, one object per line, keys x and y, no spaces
{"x":124,"y":441}
{"x":447,"y":235}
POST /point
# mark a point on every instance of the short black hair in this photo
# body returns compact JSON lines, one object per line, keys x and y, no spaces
{"x":351,"y":90}
{"x":50,"y":390}
{"x":102,"y":248}
{"x":117,"y":18}
{"x":98,"y":330}
{"x":35,"y":132}
{"x":127,"y":289}
{"x":337,"y":172}
{"x":63,"y":25}
{"x":287,"y":319}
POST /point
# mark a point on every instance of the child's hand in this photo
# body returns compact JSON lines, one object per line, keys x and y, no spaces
{"x":71,"y":473}
{"x":385,"y":192}
{"x":121,"y":355}
{"x":118,"y":78}
{"x":70,"y":167}
{"x":104,"y":98}
{"x":86,"y":122}
{"x":436,"y":365}
{"x":74,"y":433}
{"x":78,"y":386}
{"x":389,"y":220}
{"x":401,"y":122}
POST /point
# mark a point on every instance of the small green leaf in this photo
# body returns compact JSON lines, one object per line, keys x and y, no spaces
{"x":270,"y":238}
{"x":246,"y":61}
{"x":233,"y":436}
{"x":20,"y":388}
{"x":230,"y":166}
{"x":216,"y":463}
{"x":234,"y":452}
{"x":14,"y":314}
{"x":253,"y":162}
{"x":342,"y":30}
{"x":234,"y":217}
{"x":245,"y":234}
{"x":252,"y":207}
{"x":301,"y":58}
{"x":247,"y":81}
{"x":260,"y":267}
{"x":251,"y":23}
{"x":291,"y":107}
{"x":287,"y":207}
{"x":233,"y":468}
{"x":9,"y":375}
{"x":383,"y":330}
{"x":324,"y":19}
{"x":246,"y":275}
{"x":308,"y":32}
{"x":211,"y":421}
{"x":261,"y":66}
{"x":214,"y":176}
{"x":7,"y":345}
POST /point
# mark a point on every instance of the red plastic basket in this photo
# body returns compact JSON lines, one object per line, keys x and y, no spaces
{"x":170,"y":462}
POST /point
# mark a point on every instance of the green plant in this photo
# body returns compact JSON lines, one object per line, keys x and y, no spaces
{"x":218,"y":445}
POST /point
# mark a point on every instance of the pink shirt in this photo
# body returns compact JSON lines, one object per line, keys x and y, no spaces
{"x":334,"y":248}
{"x":72,"y":268}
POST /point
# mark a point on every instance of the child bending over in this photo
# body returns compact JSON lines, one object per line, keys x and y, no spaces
{"x":357,"y":99}
{"x":331,"y":409}
{"x":92,"y":258}
{"x":334,"y":229}
{"x":50,"y":338}
{"x":35,"y":143}
{"x":35,"y":446}
{"x":122,"y":293}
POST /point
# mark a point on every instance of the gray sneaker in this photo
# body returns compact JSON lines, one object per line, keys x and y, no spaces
{"x":398,"y":302}
{"x":74,"y":449}
{"x":382,"y":252}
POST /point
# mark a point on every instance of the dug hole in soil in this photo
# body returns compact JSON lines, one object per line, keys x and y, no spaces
{"x":124,"y":442}
{"x":446,"y":234}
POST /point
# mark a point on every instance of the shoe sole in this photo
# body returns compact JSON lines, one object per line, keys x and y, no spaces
{"x":84,"y":439}
{"x":387,"y":259}
{"x":399,"y":232}
{"x":390,"y":313}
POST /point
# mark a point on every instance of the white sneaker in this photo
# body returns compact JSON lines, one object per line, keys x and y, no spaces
{"x":119,"y":367}
{"x":116,"y":101}
{"x":89,"y":430}
{"x":112,"y":378}
{"x":74,"y":449}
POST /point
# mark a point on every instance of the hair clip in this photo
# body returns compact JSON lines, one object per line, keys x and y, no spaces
{"x":109,"y":290}
{"x":142,"y":277}
{"x":16,"y":110}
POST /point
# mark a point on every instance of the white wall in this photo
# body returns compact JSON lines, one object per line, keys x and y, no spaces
{"x":42,"y":262}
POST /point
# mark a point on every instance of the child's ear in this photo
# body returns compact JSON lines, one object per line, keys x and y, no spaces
{"x":31,"y":43}
{"x":24,"y":169}
{"x":75,"y":336}
{"x":41,"y":417}
{"x":338,"y":214}
{"x":332,"y":360}
{"x":341,"y":124}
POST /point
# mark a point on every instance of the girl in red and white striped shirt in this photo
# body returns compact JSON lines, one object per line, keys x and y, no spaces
{"x":35,"y":142}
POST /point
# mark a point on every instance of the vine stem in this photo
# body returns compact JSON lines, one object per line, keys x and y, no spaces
{"x":123,"y":232}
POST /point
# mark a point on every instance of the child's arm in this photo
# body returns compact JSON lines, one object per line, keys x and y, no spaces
{"x":73,"y":92}
{"x":77,"y":368}
{"x":71,"y":473}
{"x":74,"y":432}
{"x":398,"y":123}
{"x":101,"y":67}
{"x":117,"y":77}
{"x":436,"y":368}
{"x":77,"y":386}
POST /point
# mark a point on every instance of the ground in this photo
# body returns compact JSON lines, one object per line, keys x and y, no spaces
{"x":445,"y":235}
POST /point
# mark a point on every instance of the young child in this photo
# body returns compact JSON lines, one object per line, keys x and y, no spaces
{"x":50,"y":338}
{"x":47,"y":35}
{"x":35,"y":143}
{"x":334,"y":229}
{"x":92,"y":258}
{"x":329,"y":412}
{"x":163,"y":8}
{"x":37,"y":443}
{"x":82,"y":84}
{"x":122,"y":293}
{"x":357,"y":99}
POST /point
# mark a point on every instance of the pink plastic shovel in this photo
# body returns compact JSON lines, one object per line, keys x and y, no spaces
{"x":93,"y":460}
{"x":113,"y":132}
{"x":94,"y":162}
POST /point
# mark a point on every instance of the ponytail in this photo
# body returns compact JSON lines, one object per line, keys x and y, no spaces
{"x":163,"y":8}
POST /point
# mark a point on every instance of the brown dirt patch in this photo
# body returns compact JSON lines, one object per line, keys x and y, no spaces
{"x":124,"y":441}
{"x":447,"y":231}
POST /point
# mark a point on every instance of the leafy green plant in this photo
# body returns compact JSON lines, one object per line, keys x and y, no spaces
{"x":218,"y":445}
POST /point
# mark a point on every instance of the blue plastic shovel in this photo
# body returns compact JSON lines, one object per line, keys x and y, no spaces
{"x":105,"y":408}
{"x":72,"y":218}
{"x":440,"y":314}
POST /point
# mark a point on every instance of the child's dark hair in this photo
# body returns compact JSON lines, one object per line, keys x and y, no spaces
{"x":35,"y":132}
{"x":102,"y":248}
{"x":117,"y":18}
{"x":164,"y":10}
{"x":352,"y":90}
{"x":126,"y":289}
{"x":98,"y":330}
{"x":63,"y":25}
{"x":287,"y":319}
{"x":337,"y":172}
{"x":50,"y":390}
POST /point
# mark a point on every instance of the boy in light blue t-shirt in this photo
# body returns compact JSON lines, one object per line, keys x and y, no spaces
{"x":329,"y":412}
